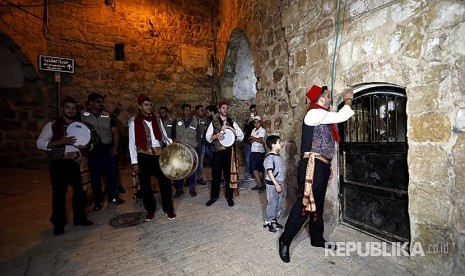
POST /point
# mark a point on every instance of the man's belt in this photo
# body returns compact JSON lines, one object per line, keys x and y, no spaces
{"x":151,"y":151}
{"x":318,"y":156}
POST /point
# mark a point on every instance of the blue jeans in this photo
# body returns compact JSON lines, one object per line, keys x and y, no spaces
{"x":274,"y":203}
{"x":204,"y":149}
{"x":191,"y":180}
{"x":247,"y":149}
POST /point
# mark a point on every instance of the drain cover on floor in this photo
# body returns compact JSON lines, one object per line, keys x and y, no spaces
{"x":126,"y":220}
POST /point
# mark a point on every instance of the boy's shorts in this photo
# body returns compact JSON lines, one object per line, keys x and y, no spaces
{"x":256,"y":161}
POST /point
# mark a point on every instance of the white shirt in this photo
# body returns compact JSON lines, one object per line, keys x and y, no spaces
{"x":316,"y":117}
{"x":239,"y":133}
{"x":258,"y":133}
{"x":46,"y":135}
{"x":155,"y":142}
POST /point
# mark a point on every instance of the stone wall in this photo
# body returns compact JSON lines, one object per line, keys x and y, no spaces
{"x":416,"y":44}
{"x":167,"y":51}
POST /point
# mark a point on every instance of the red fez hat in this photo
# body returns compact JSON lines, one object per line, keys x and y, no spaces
{"x":222,"y":103}
{"x":142,"y":98}
{"x":315,"y":92}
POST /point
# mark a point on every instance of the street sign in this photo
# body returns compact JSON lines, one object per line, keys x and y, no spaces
{"x":57,"y":64}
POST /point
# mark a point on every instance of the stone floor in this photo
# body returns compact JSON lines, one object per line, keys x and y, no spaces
{"x":215,"y":240}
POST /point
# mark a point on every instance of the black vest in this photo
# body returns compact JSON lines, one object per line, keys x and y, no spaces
{"x":307,"y":138}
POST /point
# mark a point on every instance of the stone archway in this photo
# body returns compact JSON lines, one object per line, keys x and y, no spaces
{"x":22,"y":108}
{"x":238,"y":82}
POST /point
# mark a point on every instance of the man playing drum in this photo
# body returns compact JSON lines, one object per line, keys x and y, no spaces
{"x":145,"y":145}
{"x":221,"y":164}
{"x":64,"y":168}
{"x":185,"y":131}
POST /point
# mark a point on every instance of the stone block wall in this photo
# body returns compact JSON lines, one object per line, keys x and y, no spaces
{"x":416,"y":44}
{"x":167,"y":51}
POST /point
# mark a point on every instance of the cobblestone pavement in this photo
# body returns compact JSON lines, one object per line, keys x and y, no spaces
{"x":215,"y":240}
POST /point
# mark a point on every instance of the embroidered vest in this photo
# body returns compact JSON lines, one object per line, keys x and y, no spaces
{"x":217,"y":125}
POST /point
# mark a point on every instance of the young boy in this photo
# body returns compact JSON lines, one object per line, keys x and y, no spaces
{"x":257,"y":154}
{"x":273,"y":165}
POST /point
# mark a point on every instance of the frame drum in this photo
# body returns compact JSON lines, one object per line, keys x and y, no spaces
{"x":178,"y":161}
{"x":229,"y":138}
{"x":81,"y":132}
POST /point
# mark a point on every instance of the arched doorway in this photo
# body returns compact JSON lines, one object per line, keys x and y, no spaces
{"x":374,"y":172}
{"x":22,"y":108}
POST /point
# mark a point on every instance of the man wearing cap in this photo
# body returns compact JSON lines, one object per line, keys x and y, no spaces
{"x":102,"y":157}
{"x":319,"y":134}
{"x":221,"y":164}
{"x":64,"y":168}
{"x":145,"y":145}
{"x":257,"y":153}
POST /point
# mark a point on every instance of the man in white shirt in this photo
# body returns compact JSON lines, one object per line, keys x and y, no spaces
{"x":221,"y":164}
{"x":64,"y":168}
{"x":319,"y":134}
{"x":146,"y":136}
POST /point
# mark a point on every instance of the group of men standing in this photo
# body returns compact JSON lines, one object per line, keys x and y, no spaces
{"x":148,"y":134}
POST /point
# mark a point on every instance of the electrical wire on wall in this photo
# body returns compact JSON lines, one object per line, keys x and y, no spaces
{"x":333,"y":69}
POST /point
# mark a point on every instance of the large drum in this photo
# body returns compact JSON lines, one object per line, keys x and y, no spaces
{"x":229,"y":138}
{"x":178,"y":161}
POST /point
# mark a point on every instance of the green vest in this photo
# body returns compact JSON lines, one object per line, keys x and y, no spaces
{"x":187,"y":135}
{"x":101,"y":125}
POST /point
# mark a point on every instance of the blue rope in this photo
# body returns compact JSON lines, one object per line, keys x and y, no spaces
{"x":335,"y":48}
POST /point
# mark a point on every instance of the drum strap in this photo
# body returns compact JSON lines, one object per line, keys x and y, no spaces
{"x":234,"y":179}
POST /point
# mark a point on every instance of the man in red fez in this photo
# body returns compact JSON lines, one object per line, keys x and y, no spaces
{"x":319,"y":134}
{"x":146,"y":136}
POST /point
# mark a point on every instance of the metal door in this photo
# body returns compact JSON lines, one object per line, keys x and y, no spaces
{"x":373,"y":169}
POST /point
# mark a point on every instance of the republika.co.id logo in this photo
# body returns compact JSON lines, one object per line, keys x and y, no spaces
{"x":384,"y":249}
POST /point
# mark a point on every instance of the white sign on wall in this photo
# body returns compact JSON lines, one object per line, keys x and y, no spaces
{"x":194,"y":57}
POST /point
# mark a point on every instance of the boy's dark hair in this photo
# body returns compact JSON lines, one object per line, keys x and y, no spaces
{"x":212,"y":108}
{"x":186,"y":105}
{"x":252,"y":106}
{"x":197,"y":107}
{"x":164,"y":108}
{"x":271,"y":140}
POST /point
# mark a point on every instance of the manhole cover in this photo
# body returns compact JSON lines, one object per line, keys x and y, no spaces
{"x":126,"y":220}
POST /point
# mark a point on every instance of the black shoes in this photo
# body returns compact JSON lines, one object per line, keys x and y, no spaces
{"x":270,"y":227}
{"x":193,"y":193}
{"x":178,"y":194}
{"x":58,"y":230}
{"x":276,"y":224}
{"x":284,"y":252}
{"x":261,"y":189}
{"x":117,"y":201}
{"x":201,"y":182}
{"x":85,"y":222}
{"x":98,"y":206}
{"x":211,"y":201}
{"x":256,"y":188}
{"x":230,"y":202}
{"x":324,"y":244}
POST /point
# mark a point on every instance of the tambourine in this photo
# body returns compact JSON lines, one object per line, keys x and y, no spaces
{"x":81,"y":132}
{"x":229,"y":138}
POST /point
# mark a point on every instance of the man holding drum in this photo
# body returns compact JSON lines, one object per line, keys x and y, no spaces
{"x":65,"y":167}
{"x":145,"y":146}
{"x":221,"y":164}
{"x":185,"y":131}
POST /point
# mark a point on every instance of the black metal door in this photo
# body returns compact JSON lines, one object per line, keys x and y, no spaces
{"x":374,"y":172}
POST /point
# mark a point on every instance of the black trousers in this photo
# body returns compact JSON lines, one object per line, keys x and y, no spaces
{"x":221,"y":165}
{"x":148,"y":166}
{"x":295,"y":221}
{"x":64,"y":172}
{"x":103,"y":163}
